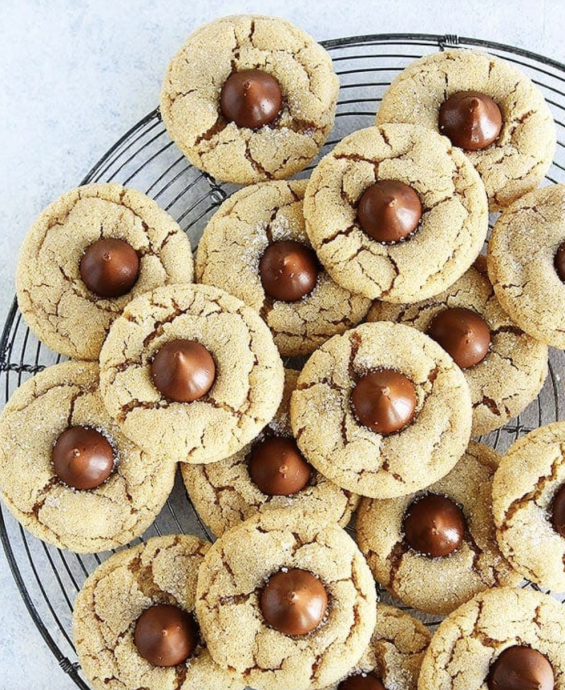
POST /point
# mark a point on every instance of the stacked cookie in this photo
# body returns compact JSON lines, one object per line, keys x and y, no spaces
{"x":379,"y":419}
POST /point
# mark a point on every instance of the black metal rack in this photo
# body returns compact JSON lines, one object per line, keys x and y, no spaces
{"x":146,"y":159}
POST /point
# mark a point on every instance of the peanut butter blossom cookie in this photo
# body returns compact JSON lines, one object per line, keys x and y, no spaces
{"x":395,"y":213}
{"x":529,"y":506}
{"x":268,"y":473}
{"x":286,"y":602}
{"x":134,"y":624}
{"x":256,"y":248}
{"x":394,"y":655}
{"x":67,"y":473}
{"x":250,"y":98}
{"x":487,"y":108}
{"x":526,"y":263}
{"x":382,"y":410}
{"x":87,"y":255}
{"x":191,"y":373}
{"x":435,"y":549}
{"x":504,"y":367}
{"x":503,"y":639}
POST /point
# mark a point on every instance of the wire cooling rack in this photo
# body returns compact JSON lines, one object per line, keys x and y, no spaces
{"x":146,"y":159}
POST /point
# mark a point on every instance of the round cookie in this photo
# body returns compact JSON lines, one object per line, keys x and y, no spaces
{"x":396,"y":553}
{"x":230,"y":257}
{"x":471,"y":640}
{"x":224,"y":493}
{"x":514,"y":366}
{"x":110,"y":515}
{"x":394,"y":654}
{"x":368,"y":462}
{"x":521,"y":155}
{"x":228,"y":131}
{"x":246,"y":389}
{"x":449,"y":236}
{"x":526,"y":506}
{"x":162,"y":571}
{"x":243,"y":565}
{"x":53,"y":297}
{"x":522,"y":263}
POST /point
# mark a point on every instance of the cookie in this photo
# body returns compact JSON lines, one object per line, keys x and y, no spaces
{"x":504,"y":367}
{"x":395,"y":213}
{"x":250,"y":98}
{"x":382,"y":410}
{"x":112,"y":624}
{"x":529,"y":506}
{"x":255,"y":247}
{"x":266,"y":474}
{"x":276,"y":557}
{"x":67,"y":473}
{"x":488,"y":108}
{"x":526,"y":266}
{"x":502,"y":638}
{"x":191,"y":373}
{"x":437,"y":548}
{"x":89,"y":254}
{"x":394,"y":654}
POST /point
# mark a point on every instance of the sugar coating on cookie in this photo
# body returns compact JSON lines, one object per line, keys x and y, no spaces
{"x":246,"y":391}
{"x":439,"y":585}
{"x":515,"y":367}
{"x":164,"y":570}
{"x":67,"y":395}
{"x":224,"y":493}
{"x":525,"y":487}
{"x":395,"y":652}
{"x":233,"y":575}
{"x":353,"y":456}
{"x":54,"y":299}
{"x":192,"y":89}
{"x":520,"y":157}
{"x":473,"y":637}
{"x":521,"y":263}
{"x":451,"y":231}
{"x":229,"y":256}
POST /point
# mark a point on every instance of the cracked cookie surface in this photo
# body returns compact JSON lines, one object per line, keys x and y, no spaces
{"x":249,"y":373}
{"x":396,"y":650}
{"x":518,"y":160}
{"x":439,"y":585}
{"x":190,"y":98}
{"x":162,"y":571}
{"x":472,"y":637}
{"x":232,"y":576}
{"x":521,"y":255}
{"x":230,"y":251}
{"x":99,"y":519}
{"x":447,"y":241}
{"x":352,"y":455}
{"x":529,"y":476}
{"x":224,"y":494}
{"x":56,"y":304}
{"x":515,"y":368}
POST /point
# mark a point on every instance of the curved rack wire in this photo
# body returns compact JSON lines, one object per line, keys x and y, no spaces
{"x":146,"y":159}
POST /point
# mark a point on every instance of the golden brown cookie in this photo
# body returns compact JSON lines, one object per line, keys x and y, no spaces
{"x":231,"y":134}
{"x":224,"y":493}
{"x":504,"y":367}
{"x":162,"y":571}
{"x":308,"y":307}
{"x":246,"y":381}
{"x":113,"y":513}
{"x":521,"y":155}
{"x":54,"y":299}
{"x":451,"y":553}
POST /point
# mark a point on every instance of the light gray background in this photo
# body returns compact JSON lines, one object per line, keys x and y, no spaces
{"x":75,"y":74}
